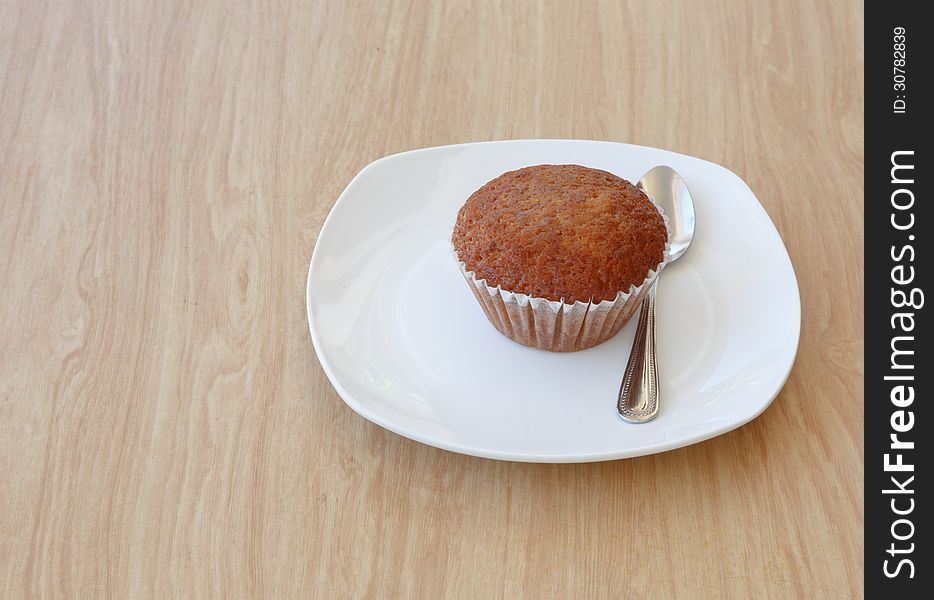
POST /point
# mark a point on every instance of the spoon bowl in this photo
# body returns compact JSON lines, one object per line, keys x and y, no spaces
{"x":667,"y":189}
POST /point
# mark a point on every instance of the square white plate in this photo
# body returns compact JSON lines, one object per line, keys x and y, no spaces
{"x":406,"y":345}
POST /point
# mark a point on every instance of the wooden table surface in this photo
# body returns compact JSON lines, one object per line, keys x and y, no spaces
{"x":165,"y":427}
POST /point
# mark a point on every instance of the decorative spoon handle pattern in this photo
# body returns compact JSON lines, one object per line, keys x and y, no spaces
{"x":638,"y":393}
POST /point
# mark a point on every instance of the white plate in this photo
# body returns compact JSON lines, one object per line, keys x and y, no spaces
{"x":407,"y":346}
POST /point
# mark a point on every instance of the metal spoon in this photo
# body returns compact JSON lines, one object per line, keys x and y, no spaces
{"x":638,"y":394}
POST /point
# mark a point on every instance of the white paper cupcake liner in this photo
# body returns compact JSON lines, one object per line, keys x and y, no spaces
{"x":554,"y":325}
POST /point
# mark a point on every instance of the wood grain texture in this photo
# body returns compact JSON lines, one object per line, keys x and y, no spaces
{"x":165,"y":429}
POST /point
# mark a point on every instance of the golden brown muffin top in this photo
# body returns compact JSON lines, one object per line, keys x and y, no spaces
{"x":560,"y":232}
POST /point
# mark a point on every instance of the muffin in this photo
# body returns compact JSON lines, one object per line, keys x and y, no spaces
{"x":559,"y":256}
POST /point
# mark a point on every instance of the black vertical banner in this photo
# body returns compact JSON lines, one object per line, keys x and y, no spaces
{"x":899,"y":372}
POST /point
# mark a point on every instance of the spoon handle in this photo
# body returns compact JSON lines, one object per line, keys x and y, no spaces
{"x":638,"y":394}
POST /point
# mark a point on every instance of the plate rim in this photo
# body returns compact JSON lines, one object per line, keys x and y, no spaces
{"x":533,"y":457}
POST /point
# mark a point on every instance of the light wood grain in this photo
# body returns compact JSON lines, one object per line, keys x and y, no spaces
{"x":165,"y":429}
